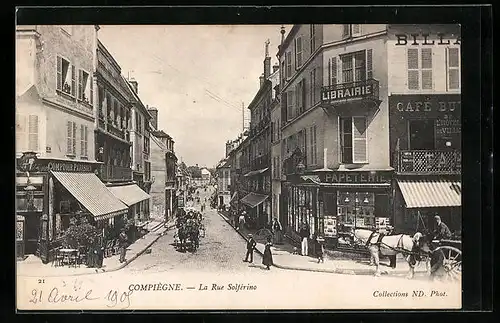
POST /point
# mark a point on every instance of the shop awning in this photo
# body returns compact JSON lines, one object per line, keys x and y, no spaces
{"x":129,"y":194}
{"x":233,"y":198}
{"x":88,"y":189}
{"x":256,"y":172}
{"x":431,"y":193}
{"x":253,"y":199}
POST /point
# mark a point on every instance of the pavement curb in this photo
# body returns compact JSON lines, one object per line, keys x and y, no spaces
{"x":342,"y":271}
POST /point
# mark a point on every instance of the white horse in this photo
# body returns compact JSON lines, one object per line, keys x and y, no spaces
{"x":391,"y":245}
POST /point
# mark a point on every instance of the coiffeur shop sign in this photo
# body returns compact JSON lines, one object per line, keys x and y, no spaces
{"x":353,"y":177}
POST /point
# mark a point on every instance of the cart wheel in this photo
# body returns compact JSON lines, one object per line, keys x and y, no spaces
{"x":452,"y":262}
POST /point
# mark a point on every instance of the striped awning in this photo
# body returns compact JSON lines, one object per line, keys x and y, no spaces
{"x":256,"y":172}
{"x":129,"y":194}
{"x":431,"y":193}
{"x":88,"y":189}
{"x":253,"y":199}
{"x":233,"y":198}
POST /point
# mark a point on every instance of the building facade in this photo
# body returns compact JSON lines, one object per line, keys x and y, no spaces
{"x":55,"y":113}
{"x":425,"y":125}
{"x":335,"y":128}
{"x":223,"y":174}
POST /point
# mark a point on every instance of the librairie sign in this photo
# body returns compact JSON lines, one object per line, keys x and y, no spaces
{"x":359,"y":90}
{"x":354,"y":177}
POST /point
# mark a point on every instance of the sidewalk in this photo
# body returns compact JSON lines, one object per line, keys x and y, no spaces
{"x":33,"y":266}
{"x":334,"y":261}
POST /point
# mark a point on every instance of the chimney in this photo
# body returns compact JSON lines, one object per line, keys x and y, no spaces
{"x":135,"y":85}
{"x":267,"y":62}
{"x":282,"y":31}
{"x":275,"y":68}
{"x":261,"y":78}
{"x":154,"y":113}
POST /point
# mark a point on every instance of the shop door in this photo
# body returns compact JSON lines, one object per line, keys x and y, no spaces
{"x":221,"y":200}
{"x":32,"y":232}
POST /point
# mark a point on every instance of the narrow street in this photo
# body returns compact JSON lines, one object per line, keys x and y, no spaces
{"x":222,"y":249}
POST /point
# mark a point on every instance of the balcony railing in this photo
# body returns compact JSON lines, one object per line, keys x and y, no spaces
{"x":359,"y":90}
{"x":260,"y":162}
{"x":429,"y":161}
{"x":115,"y":173}
{"x":255,"y":129}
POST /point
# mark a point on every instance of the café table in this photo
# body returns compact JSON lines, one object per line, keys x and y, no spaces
{"x":69,"y":255}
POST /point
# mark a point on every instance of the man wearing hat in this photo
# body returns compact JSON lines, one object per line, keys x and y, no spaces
{"x":250,"y":246}
{"x":442,"y":231}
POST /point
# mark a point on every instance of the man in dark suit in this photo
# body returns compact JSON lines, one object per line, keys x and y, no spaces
{"x":304,"y":233}
{"x":250,"y":247}
{"x":442,"y":232}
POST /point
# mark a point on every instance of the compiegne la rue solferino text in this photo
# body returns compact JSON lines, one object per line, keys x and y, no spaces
{"x":236,"y":287}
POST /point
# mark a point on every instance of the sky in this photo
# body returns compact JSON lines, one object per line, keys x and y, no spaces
{"x":198,"y":77}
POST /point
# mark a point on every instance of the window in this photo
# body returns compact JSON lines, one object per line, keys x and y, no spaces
{"x":302,"y":143}
{"x":283,"y":71}
{"x":300,"y":94}
{"x":421,"y":134}
{"x":84,"y":141}
{"x":312,"y":88}
{"x":298,"y":52}
{"x":419,"y":68}
{"x":312,"y":29}
{"x":289,"y":105}
{"x":353,"y":140}
{"x":351,"y":30}
{"x":354,"y":67}
{"x":71,"y":139}
{"x":314,"y":153}
{"x":332,"y":71}
{"x":453,"y":64}
{"x":288,"y":57}
{"x":27,"y":133}
{"x":85,"y":89}
{"x":66,"y":78}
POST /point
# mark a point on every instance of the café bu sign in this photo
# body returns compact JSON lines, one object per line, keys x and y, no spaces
{"x":359,"y":90}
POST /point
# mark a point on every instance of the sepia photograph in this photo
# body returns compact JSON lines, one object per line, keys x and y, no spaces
{"x":238,"y":167}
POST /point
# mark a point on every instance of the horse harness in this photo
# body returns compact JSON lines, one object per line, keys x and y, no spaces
{"x":397,"y":248}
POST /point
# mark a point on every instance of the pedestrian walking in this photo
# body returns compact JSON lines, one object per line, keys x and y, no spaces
{"x":318,"y":248}
{"x":241,"y":221}
{"x":123,"y":241}
{"x":304,"y":235}
{"x":250,"y":247}
{"x":267,"y":259}
{"x":277,"y":231}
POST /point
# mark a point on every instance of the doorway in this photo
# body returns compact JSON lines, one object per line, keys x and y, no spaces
{"x":221,"y":201}
{"x":32,"y":232}
{"x":421,"y":134}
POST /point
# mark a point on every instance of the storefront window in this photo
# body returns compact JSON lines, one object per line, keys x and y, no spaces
{"x":356,"y":209}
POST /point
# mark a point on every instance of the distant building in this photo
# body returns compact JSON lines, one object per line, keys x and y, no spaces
{"x":223,"y":174}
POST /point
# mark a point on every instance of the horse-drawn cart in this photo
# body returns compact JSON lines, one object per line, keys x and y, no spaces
{"x":450,"y":253}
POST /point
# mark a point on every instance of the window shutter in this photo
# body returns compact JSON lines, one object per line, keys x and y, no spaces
{"x":80,"y":84}
{"x":91,"y":91}
{"x":304,"y":143}
{"x":74,"y":138}
{"x":69,"y":142}
{"x":21,"y":133}
{"x":73,"y":80}
{"x":453,"y":68}
{"x":359,"y":140}
{"x":59,"y":73}
{"x":356,"y":29}
{"x":333,"y":72}
{"x":413,"y":72}
{"x":82,"y":140}
{"x":346,"y":31}
{"x":369,"y":64}
{"x":299,"y":53}
{"x":304,"y":96}
{"x":427,"y":68}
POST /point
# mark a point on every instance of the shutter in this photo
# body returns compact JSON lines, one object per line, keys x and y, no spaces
{"x":369,"y":64}
{"x":91,"y":91}
{"x":356,"y":29}
{"x":346,"y":31}
{"x":333,"y":72}
{"x":86,"y":141}
{"x":74,"y":138}
{"x":69,"y":135}
{"x":82,"y":138}
{"x":21,"y":133}
{"x":453,"y":68}
{"x":59,"y":73}
{"x":304,"y":148}
{"x":304,"y":96}
{"x":73,"y":80}
{"x":426,"y":68}
{"x":298,"y":53}
{"x":413,"y":72}
{"x":80,"y":84}
{"x":359,"y":140}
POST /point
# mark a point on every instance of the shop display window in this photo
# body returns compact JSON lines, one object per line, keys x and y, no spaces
{"x":356,"y":208}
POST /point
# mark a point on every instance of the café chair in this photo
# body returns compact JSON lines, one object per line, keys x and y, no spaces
{"x":58,"y":258}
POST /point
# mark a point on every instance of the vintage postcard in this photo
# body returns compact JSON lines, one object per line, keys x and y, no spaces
{"x":238,"y":167}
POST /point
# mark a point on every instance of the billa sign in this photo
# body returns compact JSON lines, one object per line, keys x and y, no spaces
{"x":355,"y":177}
{"x":355,"y":91}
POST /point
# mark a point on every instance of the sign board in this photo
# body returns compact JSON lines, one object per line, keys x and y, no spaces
{"x":356,"y":177}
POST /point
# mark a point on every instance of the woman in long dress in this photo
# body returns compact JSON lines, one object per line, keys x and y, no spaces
{"x":267,"y":259}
